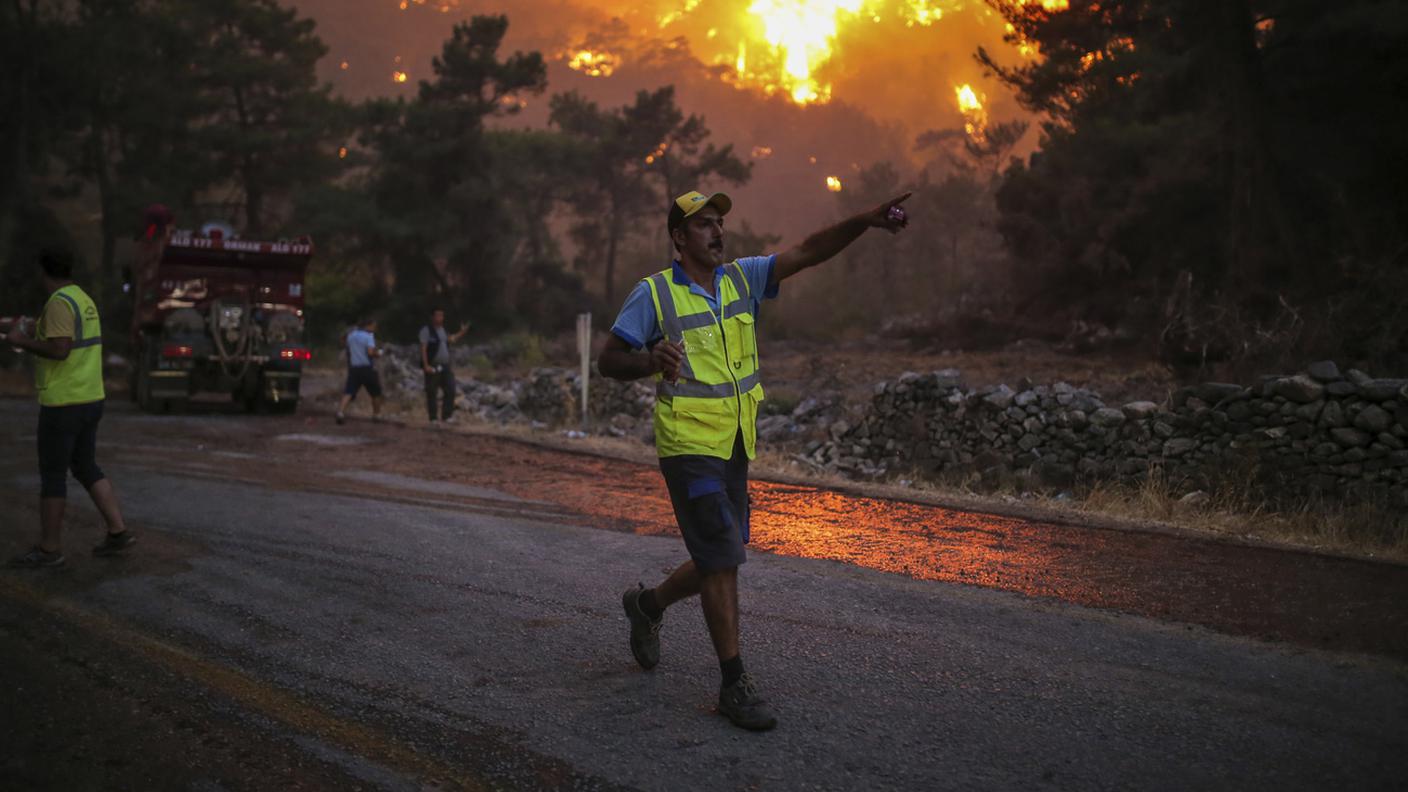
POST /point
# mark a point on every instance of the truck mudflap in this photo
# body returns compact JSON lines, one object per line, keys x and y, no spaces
{"x":279,"y":389}
{"x":169,"y":384}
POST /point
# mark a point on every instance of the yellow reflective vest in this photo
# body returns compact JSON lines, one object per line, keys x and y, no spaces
{"x":78,"y":378}
{"x":718,"y":391}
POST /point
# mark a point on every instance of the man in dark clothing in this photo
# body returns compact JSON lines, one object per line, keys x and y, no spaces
{"x":435,"y":361}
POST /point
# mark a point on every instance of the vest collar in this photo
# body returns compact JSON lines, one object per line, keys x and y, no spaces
{"x":682,"y":279}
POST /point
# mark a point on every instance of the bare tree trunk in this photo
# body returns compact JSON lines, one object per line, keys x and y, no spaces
{"x":613,"y":236}
{"x":1259,"y":235}
{"x":16,"y":182}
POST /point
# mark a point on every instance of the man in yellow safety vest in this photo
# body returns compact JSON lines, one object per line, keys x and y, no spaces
{"x":691,"y":327}
{"x":68,"y":374}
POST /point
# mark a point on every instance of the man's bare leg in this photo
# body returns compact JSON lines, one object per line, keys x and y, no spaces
{"x":718,"y":594}
{"x":681,"y":584}
{"x":51,"y":523}
{"x":105,"y":498}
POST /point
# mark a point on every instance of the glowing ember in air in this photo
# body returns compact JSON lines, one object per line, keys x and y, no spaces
{"x":657,"y":153}
{"x":443,"y":6}
{"x":345,"y":65}
{"x":342,"y":153}
{"x":833,"y":184}
{"x":975,"y":118}
{"x":398,"y":76}
{"x":592,"y":64}
{"x":762,"y":152}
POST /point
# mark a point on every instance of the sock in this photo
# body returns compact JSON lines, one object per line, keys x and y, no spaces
{"x":732,"y":669}
{"x":649,"y":606}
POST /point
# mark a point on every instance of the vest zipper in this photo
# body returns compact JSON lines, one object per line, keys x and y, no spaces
{"x":728,"y":364}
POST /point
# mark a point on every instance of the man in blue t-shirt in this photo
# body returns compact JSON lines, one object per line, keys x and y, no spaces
{"x":361,"y":349}
{"x":709,"y":493}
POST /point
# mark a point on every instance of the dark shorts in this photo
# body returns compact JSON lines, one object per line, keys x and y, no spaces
{"x":68,"y":440}
{"x":710,"y":496}
{"x":363,"y":377}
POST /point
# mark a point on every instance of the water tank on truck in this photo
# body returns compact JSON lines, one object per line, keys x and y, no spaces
{"x":215,"y":313}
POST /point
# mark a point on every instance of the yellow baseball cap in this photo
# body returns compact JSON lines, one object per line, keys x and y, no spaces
{"x":692,"y":202}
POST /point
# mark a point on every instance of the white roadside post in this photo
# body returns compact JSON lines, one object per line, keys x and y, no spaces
{"x":584,"y":348}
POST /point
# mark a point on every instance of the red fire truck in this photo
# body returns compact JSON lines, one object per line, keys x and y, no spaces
{"x":215,"y":313}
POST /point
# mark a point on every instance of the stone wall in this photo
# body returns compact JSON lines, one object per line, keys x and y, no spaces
{"x":1316,"y":431}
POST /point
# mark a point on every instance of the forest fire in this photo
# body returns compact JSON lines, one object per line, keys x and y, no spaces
{"x":592,"y":64}
{"x":783,"y":46}
{"x":894,"y":60}
{"x":975,"y":117}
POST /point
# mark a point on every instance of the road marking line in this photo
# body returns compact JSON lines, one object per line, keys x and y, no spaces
{"x":252,"y":693}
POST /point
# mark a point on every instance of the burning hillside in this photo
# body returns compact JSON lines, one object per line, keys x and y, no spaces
{"x":817,"y":90}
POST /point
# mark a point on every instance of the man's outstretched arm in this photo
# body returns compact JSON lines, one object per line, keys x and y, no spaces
{"x":829,"y":241}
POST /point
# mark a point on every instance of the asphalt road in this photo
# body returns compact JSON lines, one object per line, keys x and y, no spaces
{"x":408,"y":633}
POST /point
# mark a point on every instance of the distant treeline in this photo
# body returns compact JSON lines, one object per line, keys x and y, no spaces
{"x":213,"y":108}
{"x":1216,"y":179}
{"x":1229,"y":173}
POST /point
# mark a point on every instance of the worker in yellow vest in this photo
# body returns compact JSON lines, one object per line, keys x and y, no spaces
{"x":68,"y":374}
{"x":692,"y":328}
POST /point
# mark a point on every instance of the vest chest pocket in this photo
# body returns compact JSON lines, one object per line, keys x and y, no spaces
{"x":742,"y":342}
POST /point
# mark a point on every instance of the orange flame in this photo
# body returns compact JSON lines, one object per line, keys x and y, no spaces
{"x":592,"y":64}
{"x":975,"y":116}
{"x":782,"y":45}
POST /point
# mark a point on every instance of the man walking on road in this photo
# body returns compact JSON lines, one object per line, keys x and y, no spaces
{"x":68,"y":375}
{"x":435,"y":361}
{"x":361,"y":349}
{"x":691,"y":327}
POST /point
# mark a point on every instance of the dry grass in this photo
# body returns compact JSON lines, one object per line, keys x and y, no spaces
{"x":1366,"y":528}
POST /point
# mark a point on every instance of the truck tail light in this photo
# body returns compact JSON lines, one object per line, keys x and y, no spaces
{"x":177,"y":351}
{"x":296,"y":354}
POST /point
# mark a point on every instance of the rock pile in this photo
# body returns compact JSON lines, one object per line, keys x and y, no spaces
{"x":1314,"y":431}
{"x":547,"y":395}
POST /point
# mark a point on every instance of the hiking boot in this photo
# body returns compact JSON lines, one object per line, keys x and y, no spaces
{"x":742,"y":705}
{"x":340,"y":418}
{"x":645,"y":632}
{"x":37,"y":558}
{"x":115,"y":544}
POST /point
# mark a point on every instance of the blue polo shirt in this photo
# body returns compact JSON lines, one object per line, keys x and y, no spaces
{"x":637,"y":325}
{"x":358,"y":342}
